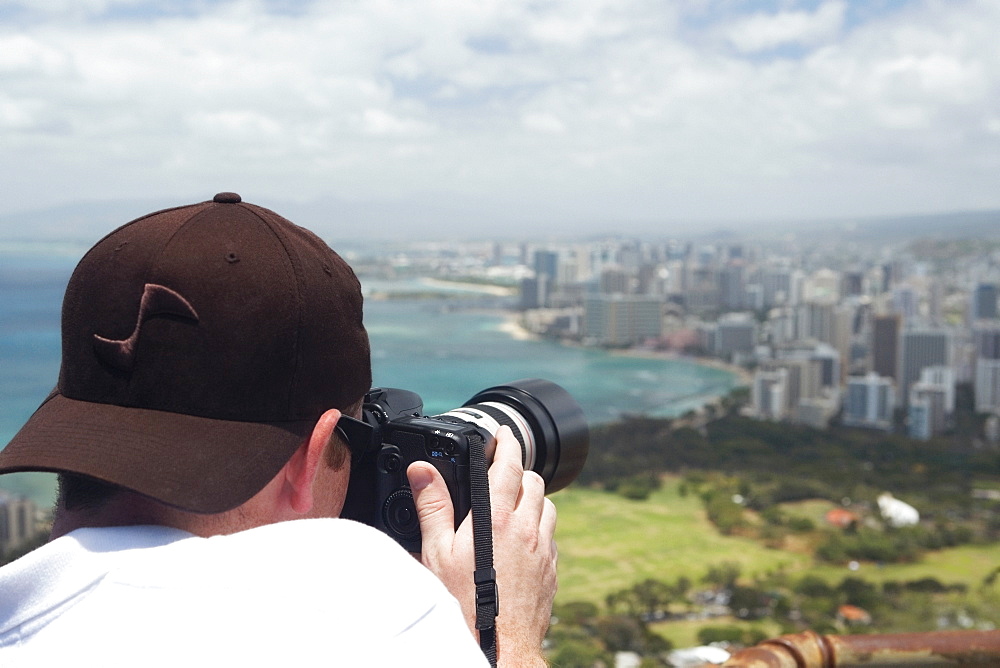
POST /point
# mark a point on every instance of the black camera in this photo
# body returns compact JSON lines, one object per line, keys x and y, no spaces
{"x":394,"y":433}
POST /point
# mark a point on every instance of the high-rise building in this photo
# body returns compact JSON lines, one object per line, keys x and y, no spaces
{"x":932,"y":402}
{"x":780,"y":326}
{"x":852,"y":284}
{"x":815,"y":320}
{"x":919,"y":418}
{"x":736,"y":334}
{"x":906,"y":302}
{"x":614,"y":281}
{"x":885,"y":345}
{"x":777,"y":287}
{"x":918,"y":350}
{"x":927,"y":415}
{"x":845,"y":321}
{"x":986,"y":339}
{"x":701,"y":291}
{"x":732,"y":286}
{"x":888,"y":277}
{"x":984,"y":302}
{"x":802,"y":377}
{"x":943,"y":379}
{"x":823,"y":360}
{"x":535,"y":292}
{"x":547,"y":264}
{"x":935,"y":304}
{"x":986,"y":347}
{"x":869,"y":402}
{"x":987,"y":387}
{"x":621,"y":320}
{"x":17,"y":521}
{"x":768,"y":394}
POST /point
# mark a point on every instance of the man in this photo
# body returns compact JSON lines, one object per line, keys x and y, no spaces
{"x":209,"y":352}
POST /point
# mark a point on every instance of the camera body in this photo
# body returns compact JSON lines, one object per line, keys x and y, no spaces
{"x":546,"y":421}
{"x":443,"y":443}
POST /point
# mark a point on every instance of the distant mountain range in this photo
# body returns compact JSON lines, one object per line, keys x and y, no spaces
{"x":335,"y":220}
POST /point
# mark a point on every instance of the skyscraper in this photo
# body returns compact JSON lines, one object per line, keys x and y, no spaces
{"x":768,"y":395}
{"x":736,"y":333}
{"x":17,"y":521}
{"x":869,"y":402}
{"x":547,"y":264}
{"x":920,"y":349}
{"x":885,"y":345}
{"x":986,"y":343}
{"x":984,"y":302}
{"x":621,"y":320}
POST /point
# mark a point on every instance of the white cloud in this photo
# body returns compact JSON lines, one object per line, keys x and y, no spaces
{"x":543,"y":122}
{"x":761,"y":32}
{"x":603,"y":108}
{"x":381,"y":122}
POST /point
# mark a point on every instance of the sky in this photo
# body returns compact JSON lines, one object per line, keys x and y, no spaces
{"x":444,"y":117}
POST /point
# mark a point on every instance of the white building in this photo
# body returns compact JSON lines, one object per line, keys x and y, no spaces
{"x":895,"y":512}
{"x":17,"y":521}
{"x":769,"y":394}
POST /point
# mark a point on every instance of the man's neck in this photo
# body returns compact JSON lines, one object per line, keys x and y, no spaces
{"x":133,"y":510}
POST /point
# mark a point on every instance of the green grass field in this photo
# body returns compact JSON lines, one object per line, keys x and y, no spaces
{"x":608,"y":543}
{"x":967,"y":564}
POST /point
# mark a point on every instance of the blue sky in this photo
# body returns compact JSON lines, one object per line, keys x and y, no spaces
{"x":444,"y":117}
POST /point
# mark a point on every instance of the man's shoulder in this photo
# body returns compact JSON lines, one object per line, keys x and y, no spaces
{"x":334,"y":586}
{"x":321,"y":543}
{"x":296,"y":548}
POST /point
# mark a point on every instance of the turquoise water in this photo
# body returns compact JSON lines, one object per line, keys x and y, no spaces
{"x":445,"y":350}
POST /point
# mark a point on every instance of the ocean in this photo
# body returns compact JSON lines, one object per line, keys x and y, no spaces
{"x":444,"y":349}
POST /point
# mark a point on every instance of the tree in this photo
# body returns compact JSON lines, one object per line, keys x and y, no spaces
{"x":643,"y":598}
{"x":652,"y":596}
{"x":723,"y":575}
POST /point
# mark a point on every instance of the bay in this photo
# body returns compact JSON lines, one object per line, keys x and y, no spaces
{"x":446,"y":350}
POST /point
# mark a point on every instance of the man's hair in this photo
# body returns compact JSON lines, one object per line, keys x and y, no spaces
{"x":339,"y":452}
{"x":80,"y":492}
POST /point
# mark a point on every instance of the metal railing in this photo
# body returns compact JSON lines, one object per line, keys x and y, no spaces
{"x":812,"y":650}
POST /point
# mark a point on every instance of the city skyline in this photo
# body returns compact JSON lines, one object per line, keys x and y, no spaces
{"x":884,"y":334}
{"x":457,"y":118}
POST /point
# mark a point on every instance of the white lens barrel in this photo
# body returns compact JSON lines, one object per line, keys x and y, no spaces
{"x":517,"y":423}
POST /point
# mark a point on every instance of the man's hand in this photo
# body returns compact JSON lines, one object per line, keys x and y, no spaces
{"x":524,"y":549}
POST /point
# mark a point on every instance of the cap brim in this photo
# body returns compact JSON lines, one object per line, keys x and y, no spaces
{"x":193,"y":463}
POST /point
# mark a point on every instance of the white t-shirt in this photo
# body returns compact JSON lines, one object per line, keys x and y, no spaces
{"x":320,"y":592}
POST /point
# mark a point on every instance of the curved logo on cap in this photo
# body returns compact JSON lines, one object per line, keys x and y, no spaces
{"x":156,"y":300}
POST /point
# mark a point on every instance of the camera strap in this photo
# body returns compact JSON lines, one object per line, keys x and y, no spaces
{"x":485,"y":577}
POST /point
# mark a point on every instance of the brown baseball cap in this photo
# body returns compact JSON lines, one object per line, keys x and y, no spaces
{"x":200,"y":344}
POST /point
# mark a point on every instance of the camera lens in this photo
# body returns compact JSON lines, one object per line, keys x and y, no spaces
{"x":400,"y":514}
{"x":545,"y":419}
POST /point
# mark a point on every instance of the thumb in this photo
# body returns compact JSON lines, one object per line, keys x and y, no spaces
{"x":434,"y":508}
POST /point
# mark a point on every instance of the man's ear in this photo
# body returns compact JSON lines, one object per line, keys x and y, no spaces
{"x":300,"y":471}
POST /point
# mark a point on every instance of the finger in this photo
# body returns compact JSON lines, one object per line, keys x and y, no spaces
{"x":547,"y":523}
{"x":531,"y":495}
{"x":434,"y":508}
{"x":505,"y":472}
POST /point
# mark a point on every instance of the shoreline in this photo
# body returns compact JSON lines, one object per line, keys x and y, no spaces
{"x":481,"y":288}
{"x":743,"y":376}
{"x":513,"y":326}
